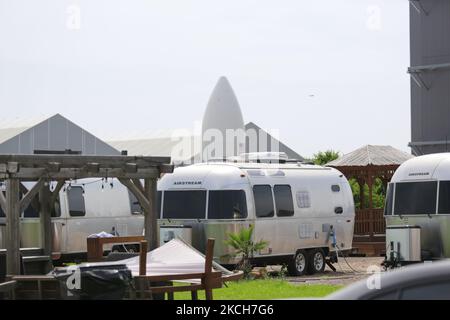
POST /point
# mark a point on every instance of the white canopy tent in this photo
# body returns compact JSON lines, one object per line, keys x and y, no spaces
{"x":174,"y":257}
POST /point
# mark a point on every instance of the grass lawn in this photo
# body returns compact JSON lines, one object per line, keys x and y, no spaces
{"x":264,"y":289}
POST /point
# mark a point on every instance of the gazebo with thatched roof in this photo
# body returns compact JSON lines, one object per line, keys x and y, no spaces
{"x":365,"y":165}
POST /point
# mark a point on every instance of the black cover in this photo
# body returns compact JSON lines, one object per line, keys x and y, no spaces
{"x":99,"y":282}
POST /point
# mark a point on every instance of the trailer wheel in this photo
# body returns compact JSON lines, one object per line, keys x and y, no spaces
{"x":299,"y":264}
{"x":316,"y":261}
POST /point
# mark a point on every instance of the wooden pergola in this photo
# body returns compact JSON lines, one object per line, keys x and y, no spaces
{"x":43,"y":169}
{"x":365,"y":165}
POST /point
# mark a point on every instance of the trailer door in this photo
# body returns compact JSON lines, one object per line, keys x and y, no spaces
{"x":337,"y":191}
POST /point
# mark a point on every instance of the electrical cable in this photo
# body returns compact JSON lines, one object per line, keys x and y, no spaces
{"x":348,"y":264}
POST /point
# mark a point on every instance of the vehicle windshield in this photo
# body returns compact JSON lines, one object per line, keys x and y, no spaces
{"x":227,"y":204}
{"x":184,"y":204}
{"x":415,"y":198}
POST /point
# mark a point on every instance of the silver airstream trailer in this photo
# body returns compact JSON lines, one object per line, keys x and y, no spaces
{"x":417,"y":209}
{"x":295,"y":207}
{"x":83,"y":208}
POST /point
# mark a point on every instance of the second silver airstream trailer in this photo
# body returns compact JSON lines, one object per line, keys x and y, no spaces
{"x":82,"y":208}
{"x":417,"y":209}
{"x":301,"y":210}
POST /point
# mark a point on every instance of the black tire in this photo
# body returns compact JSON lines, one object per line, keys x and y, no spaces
{"x":316,"y":261}
{"x":299,"y":264}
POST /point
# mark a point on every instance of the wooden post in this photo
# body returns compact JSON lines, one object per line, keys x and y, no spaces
{"x":143,"y":284}
{"x":45,"y":219}
{"x":151,"y":216}
{"x":12,"y":227}
{"x":361,"y":184}
{"x":208,"y":269}
{"x":143,"y":258}
{"x":371,"y":219}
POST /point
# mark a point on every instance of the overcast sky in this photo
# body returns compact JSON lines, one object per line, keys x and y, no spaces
{"x":326,"y":74}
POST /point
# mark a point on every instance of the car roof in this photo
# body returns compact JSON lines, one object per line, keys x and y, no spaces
{"x":396,"y":279}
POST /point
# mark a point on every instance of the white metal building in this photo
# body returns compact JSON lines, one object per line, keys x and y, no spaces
{"x":49,"y":134}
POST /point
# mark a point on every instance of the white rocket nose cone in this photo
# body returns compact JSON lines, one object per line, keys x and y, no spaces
{"x":223,"y":110}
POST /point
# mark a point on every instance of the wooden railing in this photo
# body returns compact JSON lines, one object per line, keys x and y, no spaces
{"x":95,"y":245}
{"x":369,"y":222}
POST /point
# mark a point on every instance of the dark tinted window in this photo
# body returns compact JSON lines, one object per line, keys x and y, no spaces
{"x":335,"y":188}
{"x":184,"y":204}
{"x":415,"y":198}
{"x":56,"y":210}
{"x":134,"y":204}
{"x":77,"y":207}
{"x":444,"y":197}
{"x":283,"y":200}
{"x":389,"y":199}
{"x":227,"y":204}
{"x":158,"y":203}
{"x":430,"y":291}
{"x":30,"y":212}
{"x":2,"y":214}
{"x":263,"y":200}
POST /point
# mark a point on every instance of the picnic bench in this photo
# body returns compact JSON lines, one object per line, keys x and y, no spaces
{"x":144,"y":286}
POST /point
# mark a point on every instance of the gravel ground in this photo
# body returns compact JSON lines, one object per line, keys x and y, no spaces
{"x":344,"y":275}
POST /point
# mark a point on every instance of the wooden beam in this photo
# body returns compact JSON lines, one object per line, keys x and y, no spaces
{"x":208,"y":269}
{"x":143,"y":257}
{"x":34,"y":201}
{"x":150,"y":214}
{"x":81,"y":173}
{"x":45,"y":219}
{"x":12,"y":227}
{"x":55,"y":192}
{"x":17,"y":162}
{"x":143,"y":201}
{"x":26,"y":200}
{"x":138,"y":184}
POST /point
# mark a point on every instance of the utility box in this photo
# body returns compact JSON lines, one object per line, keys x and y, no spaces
{"x":167,"y":233}
{"x":403,"y":244}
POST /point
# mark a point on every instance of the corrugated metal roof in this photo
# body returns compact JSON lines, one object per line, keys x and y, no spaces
{"x":372,"y":155}
{"x":11,"y":127}
{"x":179,"y":148}
{"x":281,"y":146}
{"x":171,"y":142}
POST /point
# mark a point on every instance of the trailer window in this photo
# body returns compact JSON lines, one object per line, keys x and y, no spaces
{"x":56,"y":210}
{"x":389,"y":199}
{"x":134,"y":204}
{"x":184,"y":204}
{"x":158,"y":203}
{"x":227,"y":204}
{"x":77,"y":207}
{"x":283,"y":200}
{"x":415,"y":198}
{"x":30,"y":212}
{"x":335,"y":188}
{"x":263,"y":201}
{"x":444,"y":197}
{"x":2,"y":213}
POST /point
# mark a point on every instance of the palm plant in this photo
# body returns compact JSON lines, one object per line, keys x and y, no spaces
{"x":244,"y":247}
